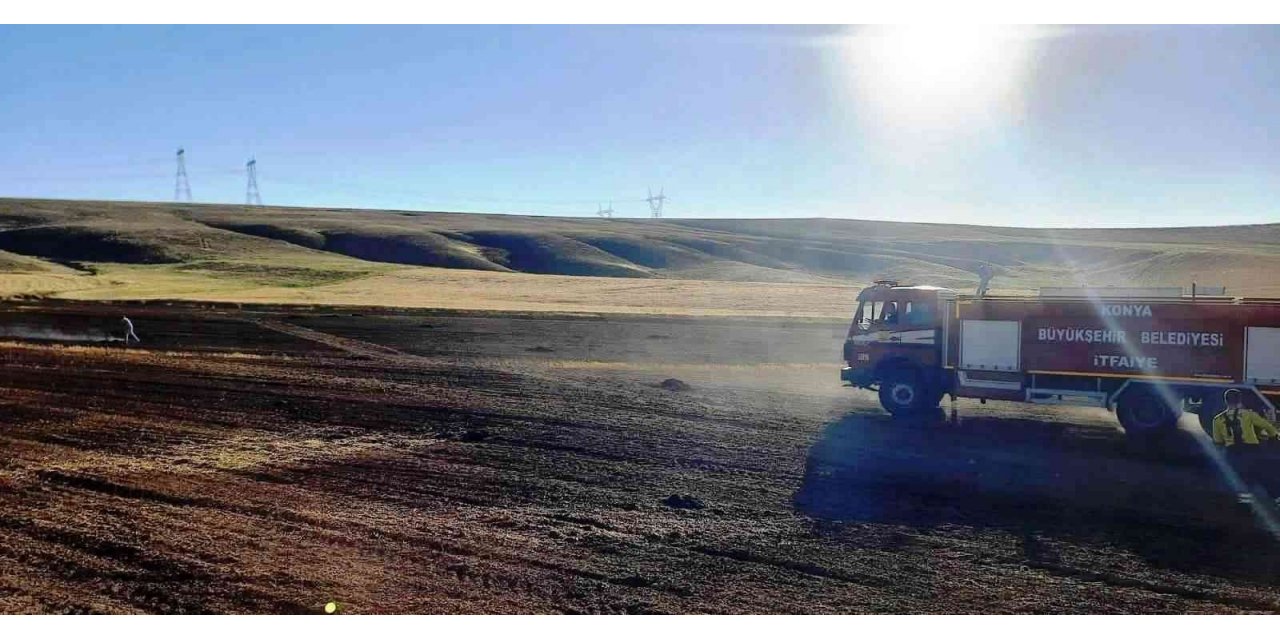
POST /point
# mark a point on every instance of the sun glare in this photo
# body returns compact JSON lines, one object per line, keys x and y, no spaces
{"x":939,"y":77}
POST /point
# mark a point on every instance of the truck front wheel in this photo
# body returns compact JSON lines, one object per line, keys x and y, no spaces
{"x":1144,"y":413}
{"x":903,"y":392}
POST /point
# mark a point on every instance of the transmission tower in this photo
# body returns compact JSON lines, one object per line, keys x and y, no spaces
{"x":605,"y":213}
{"x":656,"y":202}
{"x":251,"y":195}
{"x":182,"y":187}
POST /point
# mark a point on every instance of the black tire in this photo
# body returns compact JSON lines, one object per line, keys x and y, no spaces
{"x":903,"y":392}
{"x":1143,"y":413}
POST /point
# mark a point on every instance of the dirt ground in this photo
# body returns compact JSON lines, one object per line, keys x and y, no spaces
{"x":276,"y":460}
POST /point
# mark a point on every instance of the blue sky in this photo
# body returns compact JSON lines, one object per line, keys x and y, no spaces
{"x":1114,"y":126}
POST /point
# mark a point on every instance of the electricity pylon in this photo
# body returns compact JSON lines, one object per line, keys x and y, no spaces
{"x":656,"y":202}
{"x":251,"y":195}
{"x":181,"y":186}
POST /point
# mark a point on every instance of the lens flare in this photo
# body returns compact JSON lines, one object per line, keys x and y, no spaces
{"x":939,"y":78}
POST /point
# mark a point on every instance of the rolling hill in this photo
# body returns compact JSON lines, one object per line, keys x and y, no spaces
{"x":117,"y":249}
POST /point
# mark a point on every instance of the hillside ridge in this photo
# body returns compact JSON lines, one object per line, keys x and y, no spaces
{"x":305,"y":246}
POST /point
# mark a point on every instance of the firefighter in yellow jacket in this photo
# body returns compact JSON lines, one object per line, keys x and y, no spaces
{"x":1240,"y":426}
{"x":1242,"y":432}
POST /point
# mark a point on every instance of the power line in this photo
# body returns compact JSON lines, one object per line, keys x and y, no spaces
{"x":152,"y":163}
{"x":131,"y":169}
{"x":417,"y":194}
{"x":182,"y":186}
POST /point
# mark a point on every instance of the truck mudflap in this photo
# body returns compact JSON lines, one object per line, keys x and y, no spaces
{"x":856,"y":377}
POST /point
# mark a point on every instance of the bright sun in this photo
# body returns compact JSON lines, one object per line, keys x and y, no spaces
{"x":922,"y":77}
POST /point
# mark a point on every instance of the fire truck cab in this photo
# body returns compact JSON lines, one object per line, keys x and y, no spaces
{"x":895,"y":345}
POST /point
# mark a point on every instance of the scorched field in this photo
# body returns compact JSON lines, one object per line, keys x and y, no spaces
{"x":272,"y":460}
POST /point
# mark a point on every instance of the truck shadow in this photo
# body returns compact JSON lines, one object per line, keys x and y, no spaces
{"x":1166,"y":502}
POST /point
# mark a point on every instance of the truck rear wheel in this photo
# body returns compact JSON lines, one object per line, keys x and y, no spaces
{"x":1143,"y":413}
{"x":903,"y":392}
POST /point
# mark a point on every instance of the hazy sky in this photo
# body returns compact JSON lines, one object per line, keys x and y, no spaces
{"x":1043,"y":127}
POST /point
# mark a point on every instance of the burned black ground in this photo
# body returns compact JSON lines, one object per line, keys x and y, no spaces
{"x":252,"y":461}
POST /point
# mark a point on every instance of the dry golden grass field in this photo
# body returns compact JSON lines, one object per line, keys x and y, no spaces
{"x":799,"y":267}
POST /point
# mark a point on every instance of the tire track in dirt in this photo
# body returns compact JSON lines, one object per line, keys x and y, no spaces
{"x":142,"y":575}
{"x":352,"y":346}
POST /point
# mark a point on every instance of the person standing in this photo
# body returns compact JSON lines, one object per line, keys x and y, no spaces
{"x":128,"y":331}
{"x":1241,"y":431}
{"x":984,"y":279}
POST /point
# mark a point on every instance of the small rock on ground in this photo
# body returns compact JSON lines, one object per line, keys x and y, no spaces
{"x":673,"y":384}
{"x":683,"y":502}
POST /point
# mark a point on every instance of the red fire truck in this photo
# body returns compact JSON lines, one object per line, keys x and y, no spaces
{"x":1147,"y":354}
